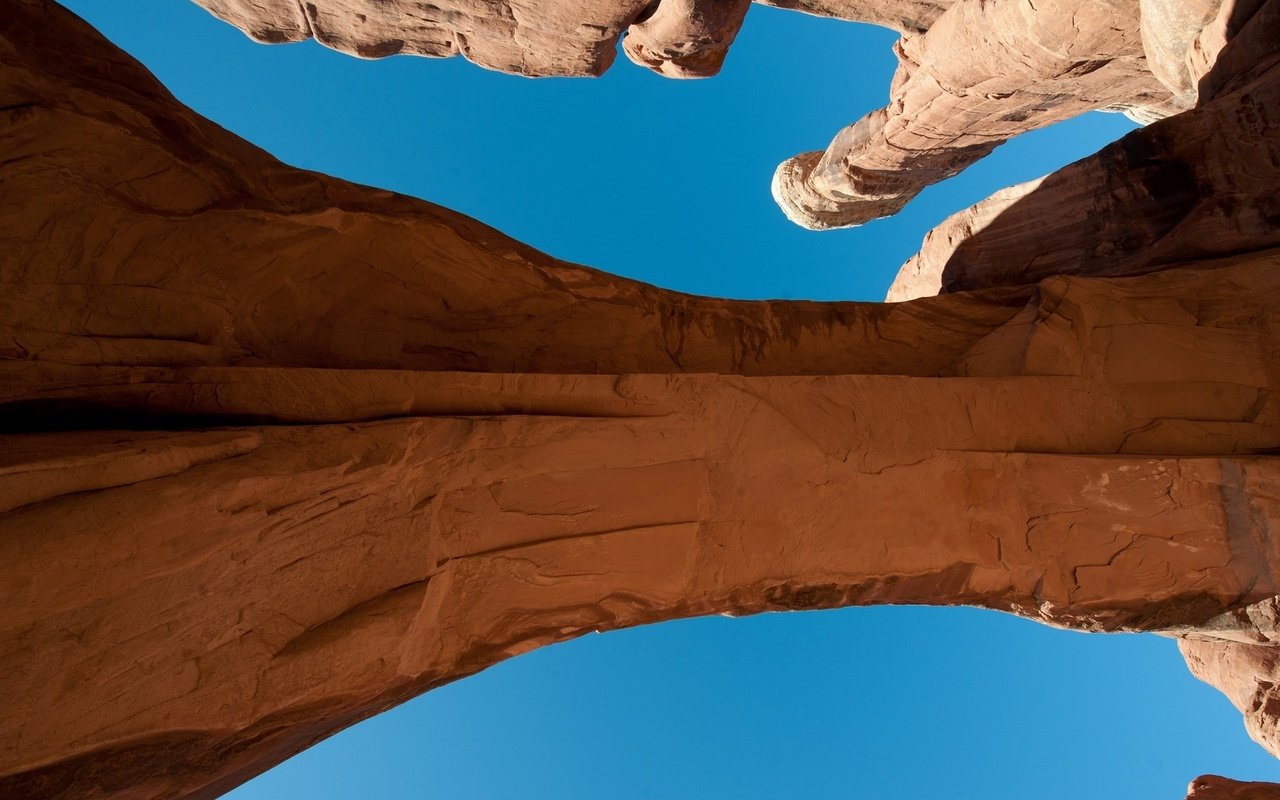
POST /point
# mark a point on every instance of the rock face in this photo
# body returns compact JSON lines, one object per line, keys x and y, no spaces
{"x":1215,"y":787}
{"x":280,"y":451}
{"x":986,"y":71}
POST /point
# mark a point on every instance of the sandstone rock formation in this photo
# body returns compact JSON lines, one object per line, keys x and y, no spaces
{"x":1215,"y":787}
{"x":1246,"y":672}
{"x":1184,"y":187}
{"x":988,"y":70}
{"x":972,"y":73}
{"x":678,"y":38}
{"x":982,"y":73}
{"x":280,"y":451}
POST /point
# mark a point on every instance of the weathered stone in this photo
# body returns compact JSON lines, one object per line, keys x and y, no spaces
{"x":1171,"y":41}
{"x":282,"y":451}
{"x":972,"y":73}
{"x":907,"y":16}
{"x":1184,"y":187}
{"x":983,"y":73}
{"x":987,"y":71}
{"x":678,"y":38}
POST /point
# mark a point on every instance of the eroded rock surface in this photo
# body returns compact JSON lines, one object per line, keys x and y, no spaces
{"x":972,"y":73}
{"x":986,"y":71}
{"x":1216,"y":787}
{"x":281,"y":451}
{"x":678,"y":38}
{"x":1184,"y":187}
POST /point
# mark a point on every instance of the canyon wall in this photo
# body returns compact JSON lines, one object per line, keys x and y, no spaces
{"x":280,"y":451}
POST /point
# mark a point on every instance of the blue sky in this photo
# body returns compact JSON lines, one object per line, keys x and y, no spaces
{"x":668,"y":182}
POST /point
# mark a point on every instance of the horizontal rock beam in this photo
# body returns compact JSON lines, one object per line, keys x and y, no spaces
{"x":280,"y":451}
{"x":242,"y":592}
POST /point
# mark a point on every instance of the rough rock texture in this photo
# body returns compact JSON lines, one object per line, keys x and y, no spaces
{"x":280,"y":451}
{"x":1184,"y":187}
{"x":982,"y":73}
{"x":972,"y":73}
{"x":1245,"y":671}
{"x":988,"y":70}
{"x":678,"y":38}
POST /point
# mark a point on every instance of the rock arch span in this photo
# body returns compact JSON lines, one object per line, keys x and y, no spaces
{"x":282,"y":451}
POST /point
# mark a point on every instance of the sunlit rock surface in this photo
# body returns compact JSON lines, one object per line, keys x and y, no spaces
{"x":987,"y":70}
{"x":281,"y":451}
{"x":679,"y":38}
{"x":1186,"y":187}
{"x":972,"y":73}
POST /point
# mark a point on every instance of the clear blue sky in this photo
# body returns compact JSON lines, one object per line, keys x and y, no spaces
{"x":668,"y":182}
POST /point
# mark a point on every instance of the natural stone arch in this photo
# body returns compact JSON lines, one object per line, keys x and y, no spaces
{"x":342,"y":446}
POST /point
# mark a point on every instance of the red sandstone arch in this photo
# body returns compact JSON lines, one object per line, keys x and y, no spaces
{"x":283,"y":451}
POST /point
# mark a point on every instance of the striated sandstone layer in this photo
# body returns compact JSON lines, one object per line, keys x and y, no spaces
{"x":279,"y":451}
